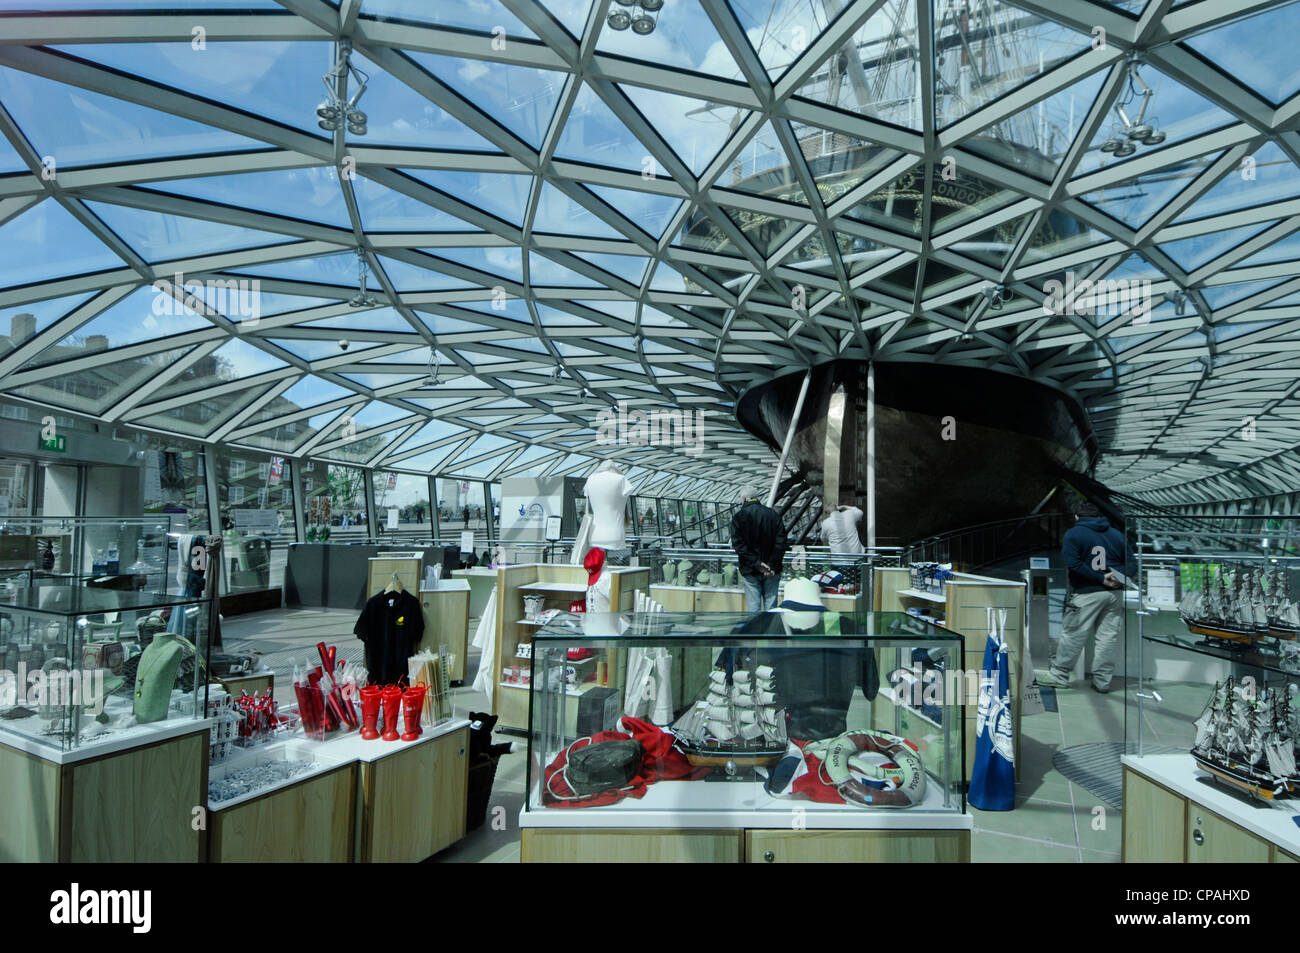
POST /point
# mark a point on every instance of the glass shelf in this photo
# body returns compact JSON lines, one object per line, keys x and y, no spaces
{"x":1257,"y":655}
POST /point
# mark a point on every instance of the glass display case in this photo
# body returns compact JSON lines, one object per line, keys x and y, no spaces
{"x":82,"y":665}
{"x":739,"y":720}
{"x":106,"y":552}
{"x":1217,"y":621}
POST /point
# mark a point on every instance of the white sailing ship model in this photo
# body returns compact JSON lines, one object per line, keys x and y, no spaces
{"x":737,"y":723}
{"x":1247,"y":741}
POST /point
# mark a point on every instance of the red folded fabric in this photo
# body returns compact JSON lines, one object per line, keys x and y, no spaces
{"x":661,"y":762}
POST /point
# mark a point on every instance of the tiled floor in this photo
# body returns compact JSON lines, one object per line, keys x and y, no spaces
{"x":1054,"y":820}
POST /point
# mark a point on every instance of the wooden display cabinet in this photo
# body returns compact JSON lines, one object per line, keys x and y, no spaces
{"x":560,"y":585}
{"x":305,"y":822}
{"x":134,"y":805}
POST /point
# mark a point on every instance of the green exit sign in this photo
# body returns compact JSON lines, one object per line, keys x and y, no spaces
{"x":57,"y":444}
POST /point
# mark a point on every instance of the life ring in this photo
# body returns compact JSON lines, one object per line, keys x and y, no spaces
{"x":898,"y":782}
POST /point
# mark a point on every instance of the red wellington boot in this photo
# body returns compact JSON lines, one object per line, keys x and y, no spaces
{"x":392,"y":702}
{"x":370,"y":699}
{"x":412,"y":706}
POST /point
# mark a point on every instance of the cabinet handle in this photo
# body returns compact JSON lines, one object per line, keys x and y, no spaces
{"x":769,"y":856}
{"x":1198,"y":837}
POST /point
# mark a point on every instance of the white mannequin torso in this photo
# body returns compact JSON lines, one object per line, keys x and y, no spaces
{"x":607,"y":492}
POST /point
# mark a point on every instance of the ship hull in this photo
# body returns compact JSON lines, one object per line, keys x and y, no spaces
{"x":1289,"y":633}
{"x":1265,"y":789}
{"x":716,"y":758}
{"x":1225,"y":633}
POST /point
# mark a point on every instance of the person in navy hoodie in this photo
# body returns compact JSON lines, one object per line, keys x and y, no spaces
{"x":1094,"y":553}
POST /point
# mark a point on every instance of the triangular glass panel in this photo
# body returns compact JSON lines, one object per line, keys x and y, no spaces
{"x":593,"y":134}
{"x":505,"y":261}
{"x":289,"y":437}
{"x":78,"y":127}
{"x":503,"y":194}
{"x":309,"y":391}
{"x":375,"y":319}
{"x":557,"y":213}
{"x":976,"y":62}
{"x":668,"y":278}
{"x":544,"y":271}
{"x":762,"y":168}
{"x":399,"y":116}
{"x":441,"y":324}
{"x":479,"y":16}
{"x":684,"y":39}
{"x":765,"y":232}
{"x":25,"y":321}
{"x":649,"y":212}
{"x":26,"y":241}
{"x":1288,"y":249}
{"x":521,"y":98}
{"x":811,"y":255}
{"x":1178,"y":114}
{"x":555,"y":318}
{"x":376,"y":381}
{"x":1060,"y":234}
{"x":338,"y":269}
{"x":1267,"y":176}
{"x":280,"y":80}
{"x":481,"y":469}
{"x":570,"y":14}
{"x":1134,"y":201}
{"x":406,"y":277}
{"x":376,"y":414}
{"x":143,"y":315}
{"x":779,"y":34}
{"x":898,"y":205}
{"x":310,"y":194}
{"x":433,"y":430}
{"x":359,"y":449}
{"x":416,"y":355}
{"x":697,"y":130}
{"x":511,"y":308}
{"x":234,"y":360}
{"x":1036,"y":139}
{"x":631,"y":268}
{"x":1256,"y":52}
{"x":1220,"y":296}
{"x":95,"y":390}
{"x":701,"y":232}
{"x":198,"y":418}
{"x":1192,"y":253}
{"x":157,"y":237}
{"x":10,"y":160}
{"x":387,"y":210}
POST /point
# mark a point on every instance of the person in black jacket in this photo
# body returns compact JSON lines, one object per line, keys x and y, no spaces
{"x":1095,"y":555}
{"x":760,"y":543}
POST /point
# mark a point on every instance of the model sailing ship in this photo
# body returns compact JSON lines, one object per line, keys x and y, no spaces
{"x":1248,"y":743}
{"x":1242,"y":604}
{"x":736,"y":723}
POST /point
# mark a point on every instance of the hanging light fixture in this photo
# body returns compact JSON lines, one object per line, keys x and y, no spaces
{"x":634,"y":14}
{"x":363,"y":298}
{"x":332,"y":112}
{"x":643,"y":24}
{"x":1124,"y":140}
{"x":435,"y":368}
{"x":618,"y":19}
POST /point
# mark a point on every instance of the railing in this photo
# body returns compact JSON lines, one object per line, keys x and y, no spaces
{"x":971,"y":548}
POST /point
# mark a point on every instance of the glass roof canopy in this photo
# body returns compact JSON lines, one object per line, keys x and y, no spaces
{"x":553,"y":217}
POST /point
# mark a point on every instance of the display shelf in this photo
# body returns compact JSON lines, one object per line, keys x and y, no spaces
{"x":1245,"y":655}
{"x":673,"y":805}
{"x":559,"y":587}
{"x":918,"y":594}
{"x":1274,"y":821}
{"x":242,"y":758}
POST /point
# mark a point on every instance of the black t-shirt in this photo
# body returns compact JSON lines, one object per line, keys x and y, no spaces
{"x":391,"y":625}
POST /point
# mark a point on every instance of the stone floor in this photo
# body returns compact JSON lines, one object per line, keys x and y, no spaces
{"x":1055,"y":820}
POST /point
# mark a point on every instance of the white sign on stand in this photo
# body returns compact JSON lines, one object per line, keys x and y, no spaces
{"x":467,"y":541}
{"x":392,"y":517}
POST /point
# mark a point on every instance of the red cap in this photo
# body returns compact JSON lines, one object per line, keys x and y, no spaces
{"x":593,"y":562}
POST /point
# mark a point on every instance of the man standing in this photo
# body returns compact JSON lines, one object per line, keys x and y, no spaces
{"x":1094,"y":552}
{"x":840,"y":529}
{"x":759,"y":540}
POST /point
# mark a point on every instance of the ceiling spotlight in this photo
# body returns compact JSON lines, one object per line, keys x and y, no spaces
{"x":643,"y":24}
{"x":1125,"y":149}
{"x":1110,"y":145}
{"x":651,"y":5}
{"x":1179,"y":298}
{"x":588,"y":394}
{"x":618,"y":20}
{"x":996,"y":295}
